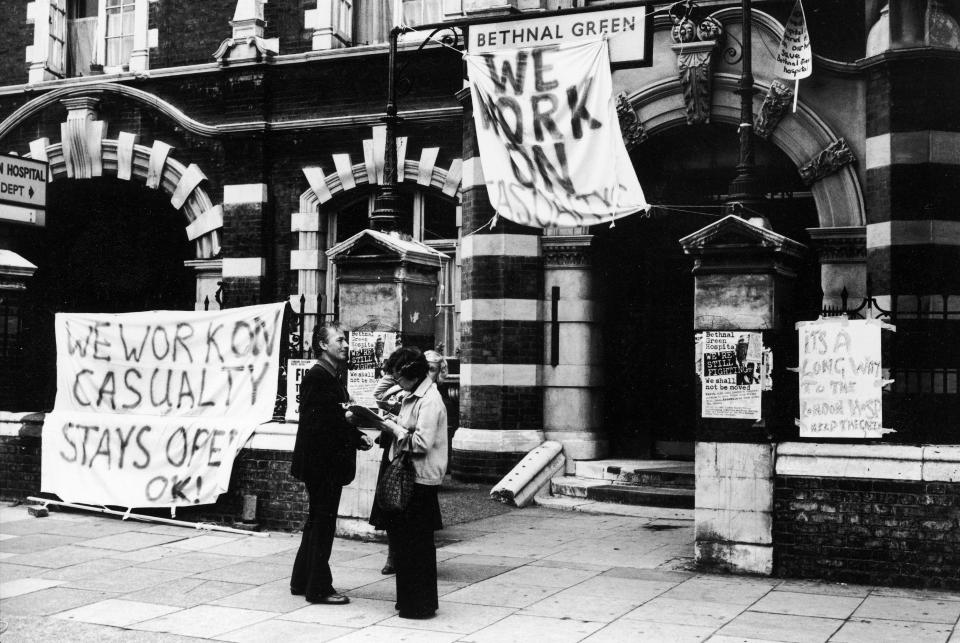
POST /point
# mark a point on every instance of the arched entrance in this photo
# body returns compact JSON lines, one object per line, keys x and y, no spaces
{"x":647,"y":285}
{"x":109,"y":246}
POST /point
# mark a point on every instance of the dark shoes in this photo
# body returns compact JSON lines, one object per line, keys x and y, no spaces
{"x":418,"y":615}
{"x":330,"y":598}
{"x":388,"y":568}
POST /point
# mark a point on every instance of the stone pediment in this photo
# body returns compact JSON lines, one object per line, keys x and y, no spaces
{"x":732,"y":233}
{"x":376,"y":244}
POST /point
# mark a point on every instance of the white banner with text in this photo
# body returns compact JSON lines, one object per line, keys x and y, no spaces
{"x":152,"y":407}
{"x":549,"y":137}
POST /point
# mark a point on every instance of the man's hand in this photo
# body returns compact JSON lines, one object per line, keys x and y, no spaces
{"x":366,"y":442}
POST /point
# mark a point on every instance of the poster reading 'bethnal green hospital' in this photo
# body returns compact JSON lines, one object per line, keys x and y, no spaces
{"x":840,"y":378}
{"x":731,"y":375}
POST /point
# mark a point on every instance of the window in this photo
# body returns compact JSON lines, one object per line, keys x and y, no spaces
{"x":435,"y":222}
{"x":119,"y":32}
{"x":421,"y":12}
{"x":84,"y":37}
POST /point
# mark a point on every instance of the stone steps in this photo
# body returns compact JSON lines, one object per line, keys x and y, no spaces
{"x":650,"y":483}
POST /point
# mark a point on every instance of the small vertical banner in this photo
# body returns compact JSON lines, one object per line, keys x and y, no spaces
{"x":795,"y":56}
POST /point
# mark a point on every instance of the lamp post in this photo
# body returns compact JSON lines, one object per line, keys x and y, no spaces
{"x":743,"y":192}
{"x":386,"y":206}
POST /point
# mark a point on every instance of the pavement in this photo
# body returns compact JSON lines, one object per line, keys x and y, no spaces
{"x":580,"y":573}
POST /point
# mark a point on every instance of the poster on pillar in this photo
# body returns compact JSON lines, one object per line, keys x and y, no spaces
{"x":841,"y":378}
{"x":732,"y":375}
{"x":549,"y":138}
{"x":368,"y":350}
{"x":152,"y":407}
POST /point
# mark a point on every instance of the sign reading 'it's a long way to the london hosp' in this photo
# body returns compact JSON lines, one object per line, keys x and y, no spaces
{"x":841,"y":379}
{"x":627,"y":30}
{"x":153,"y":407}
{"x":549,"y":137}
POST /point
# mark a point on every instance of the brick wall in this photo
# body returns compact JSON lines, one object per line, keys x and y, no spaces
{"x":281,"y":500}
{"x":867,"y":531}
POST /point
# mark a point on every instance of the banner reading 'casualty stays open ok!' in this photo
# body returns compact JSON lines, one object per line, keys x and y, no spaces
{"x":152,"y":407}
{"x":549,"y":137}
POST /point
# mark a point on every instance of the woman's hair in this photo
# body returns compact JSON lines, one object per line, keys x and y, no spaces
{"x":321,"y":334}
{"x":390,"y":363}
{"x":410,"y":363}
{"x":436,"y":365}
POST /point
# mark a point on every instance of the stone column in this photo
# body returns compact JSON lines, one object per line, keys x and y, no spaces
{"x":572,"y":370}
{"x":501,"y":343}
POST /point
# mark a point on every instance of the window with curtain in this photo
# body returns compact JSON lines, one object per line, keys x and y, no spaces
{"x":373,"y":20}
{"x":119,"y":32}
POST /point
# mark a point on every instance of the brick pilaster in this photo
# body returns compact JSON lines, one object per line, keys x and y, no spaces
{"x":244,"y":261}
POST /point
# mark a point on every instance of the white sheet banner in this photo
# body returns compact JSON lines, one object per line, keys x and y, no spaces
{"x":549,"y":137}
{"x":152,"y":407}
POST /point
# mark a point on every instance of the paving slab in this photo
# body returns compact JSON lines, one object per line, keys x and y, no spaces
{"x":454,"y":617}
{"x":88,"y":569}
{"x":360,"y":612}
{"x":116,"y":612}
{"x":623,"y":630}
{"x":128,"y":579}
{"x":685,"y":612}
{"x":286,"y":631}
{"x":57,"y":557}
{"x":26,"y":586}
{"x":493,"y":592}
{"x":272,"y":597}
{"x":909,"y":609}
{"x":130,"y":541}
{"x":36,"y":542}
{"x":557,"y":577}
{"x":36,"y":629}
{"x":801,"y":604}
{"x":251,"y":572}
{"x":252,"y":547}
{"x":872,"y":631}
{"x":187,"y":592}
{"x":584,"y":607}
{"x":204,"y":621}
{"x":191,"y":562}
{"x":616,"y":587}
{"x":520,"y":628}
{"x":381,"y":634}
{"x":45,"y":602}
{"x":720,"y":589}
{"x":782,"y":627}
{"x":205,"y":541}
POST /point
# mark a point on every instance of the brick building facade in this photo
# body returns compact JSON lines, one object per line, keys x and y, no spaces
{"x":211,"y":152}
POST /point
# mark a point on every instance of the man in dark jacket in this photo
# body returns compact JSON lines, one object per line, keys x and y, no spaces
{"x":325,"y":459}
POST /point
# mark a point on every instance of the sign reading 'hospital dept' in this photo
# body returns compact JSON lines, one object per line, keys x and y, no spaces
{"x":626,"y":30}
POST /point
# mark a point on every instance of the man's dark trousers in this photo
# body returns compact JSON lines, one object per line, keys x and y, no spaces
{"x":311,"y":570}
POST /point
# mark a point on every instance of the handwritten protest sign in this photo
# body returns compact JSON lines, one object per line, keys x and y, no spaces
{"x":840,"y":379}
{"x":368,"y":350}
{"x":732,"y":375}
{"x":152,"y":407}
{"x":549,"y":137}
{"x":795,"y":56}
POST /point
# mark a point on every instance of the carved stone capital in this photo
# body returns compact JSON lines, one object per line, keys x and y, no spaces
{"x":831,"y":159}
{"x":630,"y":126}
{"x":840,"y":245}
{"x":695,"y":65}
{"x":774,"y":108}
{"x":570,"y":251}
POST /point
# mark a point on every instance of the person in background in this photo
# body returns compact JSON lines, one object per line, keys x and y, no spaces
{"x":437,"y":366}
{"x":324,"y":459}
{"x":421,"y":427}
{"x":388,"y":394}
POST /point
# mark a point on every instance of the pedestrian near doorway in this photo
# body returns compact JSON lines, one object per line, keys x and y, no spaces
{"x":388,"y":395}
{"x":324,"y":459}
{"x":421,"y":428}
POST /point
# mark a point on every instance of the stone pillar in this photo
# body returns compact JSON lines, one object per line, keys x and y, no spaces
{"x":912,"y":175}
{"x":572,"y":369}
{"x":743,"y":277}
{"x":501,"y":345}
{"x":244,"y":261}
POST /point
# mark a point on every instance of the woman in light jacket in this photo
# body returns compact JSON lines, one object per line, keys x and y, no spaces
{"x":421,"y":427}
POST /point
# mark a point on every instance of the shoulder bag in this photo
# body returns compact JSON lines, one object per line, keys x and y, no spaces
{"x":396,"y":484}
